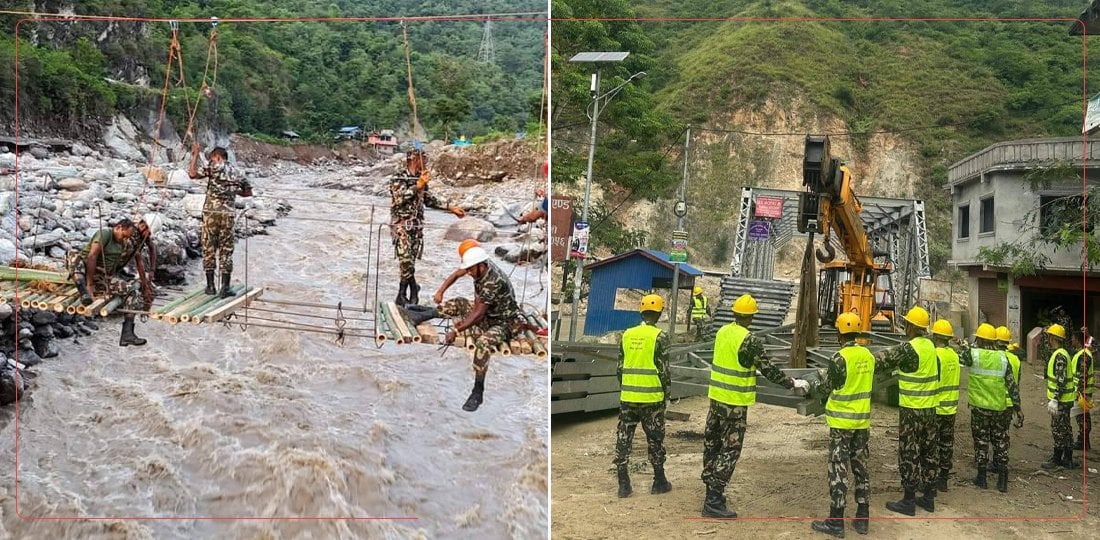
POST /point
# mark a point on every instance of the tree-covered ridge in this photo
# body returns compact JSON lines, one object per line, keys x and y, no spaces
{"x":306,"y":76}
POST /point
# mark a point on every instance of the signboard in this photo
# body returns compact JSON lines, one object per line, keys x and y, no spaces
{"x":769,"y":207}
{"x":579,"y":247}
{"x":759,"y":230}
{"x":561,"y":218}
{"x":678,"y":253}
{"x":1092,"y":115}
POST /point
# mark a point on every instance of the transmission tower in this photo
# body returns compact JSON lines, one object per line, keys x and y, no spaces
{"x":487,"y":52}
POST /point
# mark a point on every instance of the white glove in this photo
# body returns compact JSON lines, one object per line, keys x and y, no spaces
{"x":1052,"y":407}
{"x":801,"y":387}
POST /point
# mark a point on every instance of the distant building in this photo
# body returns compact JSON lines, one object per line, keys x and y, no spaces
{"x":349,"y":132}
{"x":384,"y":141}
{"x":289,"y":135}
{"x":993,"y":201}
{"x":633,"y":271}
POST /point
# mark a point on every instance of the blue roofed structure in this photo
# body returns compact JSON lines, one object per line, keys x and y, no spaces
{"x":638,"y":270}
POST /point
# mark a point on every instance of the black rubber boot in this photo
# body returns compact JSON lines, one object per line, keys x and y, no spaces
{"x":210,"y":288}
{"x":660,"y":483}
{"x":833,"y":526}
{"x":863,"y":512}
{"x":128,"y":337}
{"x":414,"y":292}
{"x":225,"y":292}
{"x":476,"y":397}
{"x":1002,"y":480}
{"x":85,"y":298}
{"x":928,"y":501}
{"x":1055,"y":460}
{"x":1082,"y":444}
{"x":624,"y":483}
{"x":941,"y":482}
{"x":907,"y":505}
{"x":980,"y":479}
{"x":1067,"y":458}
{"x":401,"y":299}
{"x":419,"y":314}
{"x":715,"y":506}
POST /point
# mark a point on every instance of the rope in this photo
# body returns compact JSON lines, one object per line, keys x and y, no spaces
{"x":411,"y":89}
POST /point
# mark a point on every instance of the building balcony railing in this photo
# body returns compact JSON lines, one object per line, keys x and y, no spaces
{"x":1026,"y":154}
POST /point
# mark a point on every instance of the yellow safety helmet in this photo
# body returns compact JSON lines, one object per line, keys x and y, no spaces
{"x":847,"y":323}
{"x":943,"y":328}
{"x":652,"y":302}
{"x":745,"y":305}
{"x":697,"y":290}
{"x":1013,"y":347}
{"x":917,"y":316}
{"x":1057,"y":331}
{"x":1003,"y":334}
{"x":986,"y":331}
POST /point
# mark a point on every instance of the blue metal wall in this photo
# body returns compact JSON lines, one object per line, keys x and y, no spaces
{"x":635,"y":272}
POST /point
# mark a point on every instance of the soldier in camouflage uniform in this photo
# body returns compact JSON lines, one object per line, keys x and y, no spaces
{"x":948,"y":400}
{"x":105,"y":254}
{"x":408,"y":196}
{"x":738,"y":355}
{"x":989,"y":383}
{"x":645,"y":381}
{"x":494,"y":315}
{"x":218,"y":215}
{"x":1085,"y":377}
{"x":1061,"y":392}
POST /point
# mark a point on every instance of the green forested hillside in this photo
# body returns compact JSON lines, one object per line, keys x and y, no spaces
{"x":306,"y":76}
{"x":949,"y":87}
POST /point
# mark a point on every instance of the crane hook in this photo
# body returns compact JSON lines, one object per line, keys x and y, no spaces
{"x":828,"y":255}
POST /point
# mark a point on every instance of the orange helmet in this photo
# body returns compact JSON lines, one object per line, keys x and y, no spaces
{"x":467,"y":244}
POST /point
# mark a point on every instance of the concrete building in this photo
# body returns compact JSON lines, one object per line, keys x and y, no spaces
{"x":994,"y":200}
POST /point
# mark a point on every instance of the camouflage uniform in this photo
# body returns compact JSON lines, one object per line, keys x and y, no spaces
{"x":107,"y":280}
{"x":1060,"y":428}
{"x":218,"y":218}
{"x":990,"y":428}
{"x":501,"y":320}
{"x":725,"y":429}
{"x":407,"y":220}
{"x":650,"y":415}
{"x":917,"y":456}
{"x":1084,"y":420}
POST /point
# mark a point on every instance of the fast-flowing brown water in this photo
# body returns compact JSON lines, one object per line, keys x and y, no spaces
{"x":219,"y":422}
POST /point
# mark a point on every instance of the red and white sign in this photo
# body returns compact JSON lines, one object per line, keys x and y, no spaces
{"x":561,"y":227}
{"x":769,"y":207}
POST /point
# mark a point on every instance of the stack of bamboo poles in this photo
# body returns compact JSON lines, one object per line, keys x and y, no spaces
{"x":63,"y":299}
{"x":197,"y":307}
{"x":394,"y":324}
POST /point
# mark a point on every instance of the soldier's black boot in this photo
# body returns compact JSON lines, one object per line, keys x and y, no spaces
{"x":414,"y":292}
{"x":907,"y":505}
{"x":928,"y":501}
{"x":833,"y":526}
{"x":85,"y":298}
{"x":941,"y":482}
{"x":863,"y":512}
{"x":624,"y":483}
{"x":660,"y":483}
{"x":225,"y":293}
{"x":210,"y":289}
{"x":1055,"y":460}
{"x":980,"y":479}
{"x":401,"y":299}
{"x":1002,"y":480}
{"x":1067,"y":458}
{"x":476,"y":396}
{"x":715,"y":505}
{"x":128,"y":337}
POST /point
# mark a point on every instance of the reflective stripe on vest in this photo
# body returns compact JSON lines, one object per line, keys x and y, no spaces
{"x":949,"y":381}
{"x":920,"y":389}
{"x":699,"y":307}
{"x":1086,"y":385}
{"x":1014,"y":363}
{"x":849,"y":407}
{"x":1070,"y":390}
{"x":730,"y":382}
{"x":987,"y":380}
{"x":641,"y":382}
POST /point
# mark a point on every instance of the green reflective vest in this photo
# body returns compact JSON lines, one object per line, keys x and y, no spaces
{"x":640,"y":382}
{"x":949,"y":381}
{"x":699,"y":307}
{"x":986,"y":389}
{"x":1014,"y":363}
{"x":1052,"y":383}
{"x":730,"y":383}
{"x":920,"y":389}
{"x":1084,"y":385}
{"x":849,"y":407}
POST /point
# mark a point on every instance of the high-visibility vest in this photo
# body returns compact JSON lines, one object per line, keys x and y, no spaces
{"x":949,"y":381}
{"x":699,"y":307}
{"x":1052,"y":383}
{"x":849,"y":407}
{"x":730,"y":382}
{"x":641,"y":382}
{"x":1084,"y":385}
{"x":920,"y":389}
{"x":986,"y":389}
{"x":1014,"y":363}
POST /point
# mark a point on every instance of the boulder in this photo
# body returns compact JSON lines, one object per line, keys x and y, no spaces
{"x":192,"y":204}
{"x":479,"y":229}
{"x":7,"y":254}
{"x":11,"y":385}
{"x":78,"y":149}
{"x":119,"y":139}
{"x":43,"y":240}
{"x":73,"y":184}
{"x":61,"y":172}
{"x":39,"y":152}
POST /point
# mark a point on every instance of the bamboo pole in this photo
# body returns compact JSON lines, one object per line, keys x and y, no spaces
{"x":25,"y":302}
{"x":380,"y":324}
{"x":536,"y":344}
{"x":399,"y":322}
{"x":173,"y":316}
{"x":427,"y":333}
{"x":197,"y":315}
{"x":386,"y":316}
{"x":170,"y":305}
{"x":8,"y":273}
{"x":222,"y":312}
{"x":110,"y":307}
{"x":212,"y":301}
{"x":91,"y":309}
{"x":63,"y":306}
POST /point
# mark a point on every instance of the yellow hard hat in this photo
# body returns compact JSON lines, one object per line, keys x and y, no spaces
{"x":697,"y":290}
{"x":917,"y":316}
{"x":1057,"y":330}
{"x":943,"y":328}
{"x":1013,"y":346}
{"x":847,"y":323}
{"x":652,"y":302}
{"x":745,"y":305}
{"x":1003,"y":334}
{"x":986,"y":331}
